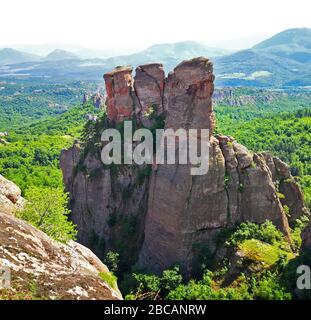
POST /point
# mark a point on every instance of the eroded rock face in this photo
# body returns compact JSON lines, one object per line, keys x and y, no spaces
{"x":98,"y":100}
{"x":188,"y":96}
{"x":59,"y":271}
{"x":176,"y":213}
{"x":238,"y":187}
{"x":291,"y":194}
{"x":106,"y":203}
{"x":10,"y":196}
{"x":149,"y":90}
{"x":249,"y":185}
{"x":119,"y":94}
{"x":142,"y":96}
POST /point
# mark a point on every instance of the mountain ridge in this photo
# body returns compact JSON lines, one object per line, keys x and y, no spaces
{"x":9,"y":56}
{"x":59,"y":54}
{"x":283,"y":60}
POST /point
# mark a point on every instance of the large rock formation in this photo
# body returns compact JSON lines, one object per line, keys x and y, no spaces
{"x":290,"y":193}
{"x":172,"y":213}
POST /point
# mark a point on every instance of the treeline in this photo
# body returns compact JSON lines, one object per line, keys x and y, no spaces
{"x":31,"y":155}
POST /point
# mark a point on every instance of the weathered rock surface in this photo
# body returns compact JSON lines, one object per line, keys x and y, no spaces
{"x":57,"y":271}
{"x":291,"y":194}
{"x":98,"y":100}
{"x":10,"y":196}
{"x":188,"y":95}
{"x":175,"y":213}
{"x":105,"y":203}
{"x":119,"y":84}
{"x":149,"y":90}
{"x":238,"y":187}
{"x":230,"y":97}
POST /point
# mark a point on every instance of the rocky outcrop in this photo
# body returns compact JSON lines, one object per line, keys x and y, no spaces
{"x":238,"y":187}
{"x":149,"y":90}
{"x":289,"y":191}
{"x":119,"y":84}
{"x":142,"y":96}
{"x":10,"y":196}
{"x":249,"y":97}
{"x":188,"y":96}
{"x":42,"y":268}
{"x":161,"y":215}
{"x":108,"y":204}
{"x":85,"y":98}
{"x":251,"y":192}
{"x":98,"y":100}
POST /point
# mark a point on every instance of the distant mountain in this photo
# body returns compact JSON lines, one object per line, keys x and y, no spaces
{"x":169,"y":54}
{"x":294,"y":44}
{"x":260,"y":69}
{"x":81,"y":51}
{"x":281,"y":61}
{"x":182,"y":50}
{"x":59,"y":54}
{"x":11,"y":56}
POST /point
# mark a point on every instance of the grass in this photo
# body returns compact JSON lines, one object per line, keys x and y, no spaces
{"x":262,"y":252}
{"x":109,"y":278}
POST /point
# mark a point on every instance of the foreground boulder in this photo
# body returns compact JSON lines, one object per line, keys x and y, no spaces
{"x":10,"y":196}
{"x":161,"y":215}
{"x":42,"y":268}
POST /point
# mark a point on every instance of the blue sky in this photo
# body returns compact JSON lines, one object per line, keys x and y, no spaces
{"x":137,"y":24}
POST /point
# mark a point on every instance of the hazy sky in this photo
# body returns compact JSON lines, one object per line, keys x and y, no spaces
{"x":230,"y":24}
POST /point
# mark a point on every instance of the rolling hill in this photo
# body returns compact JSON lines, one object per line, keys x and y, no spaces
{"x":280,"y":61}
{"x":283,"y":60}
{"x":58,"y":54}
{"x":293,"y":44}
{"x":11,"y":56}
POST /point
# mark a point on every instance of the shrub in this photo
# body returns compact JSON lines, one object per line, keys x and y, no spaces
{"x":112,"y":261}
{"x":47,"y":210}
{"x":109,"y":278}
{"x":268,"y":287}
{"x":204,"y":290}
{"x":266,"y":232}
{"x":150,"y":286}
